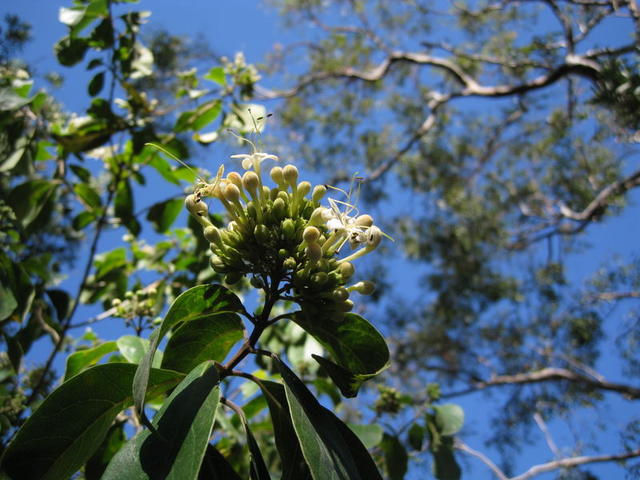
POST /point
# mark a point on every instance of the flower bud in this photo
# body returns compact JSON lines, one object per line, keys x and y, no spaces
{"x":235,"y":178}
{"x":303,"y":189}
{"x":262,"y":234}
{"x":290,"y":174}
{"x":313,"y":252}
{"x":212,"y":234}
{"x":319,"y":279}
{"x":279,"y":208}
{"x":288,"y":229}
{"x":364,"y":221}
{"x":345,"y":306}
{"x":340,"y":294}
{"x":346,"y":270}
{"x":232,"y":193}
{"x":311,"y":235}
{"x":289,"y":263}
{"x":277,"y":176}
{"x":364,"y":288}
{"x":115,"y":302}
{"x":196,"y":206}
{"x":251,"y":181}
{"x":217,"y":264}
{"x":317,"y":217}
{"x":374,"y":236}
{"x":319,"y":192}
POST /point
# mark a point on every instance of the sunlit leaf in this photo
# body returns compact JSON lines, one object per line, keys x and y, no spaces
{"x":83,"y":359}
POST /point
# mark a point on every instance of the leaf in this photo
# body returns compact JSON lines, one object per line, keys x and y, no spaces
{"x":215,"y":467}
{"x":200,"y":117}
{"x":16,"y":289}
{"x":198,"y":302}
{"x":293,"y":464}
{"x":83,"y":359}
{"x":416,"y":436}
{"x":217,"y":75}
{"x":71,"y":423}
{"x":358,"y":349}
{"x":124,"y":207}
{"x":98,"y":462}
{"x":133,"y":349}
{"x":209,"y":338}
{"x":83,"y":219}
{"x":28,"y":199}
{"x":70,"y":50}
{"x":330,"y":448}
{"x":445,"y":466}
{"x":369,"y":435}
{"x":449,"y":418}
{"x":257,"y":468}
{"x":9,"y":100}
{"x":96,"y":84}
{"x":395,"y":457}
{"x":90,"y":198}
{"x":163,"y":214}
{"x":182,"y":428}
{"x":70,"y":16}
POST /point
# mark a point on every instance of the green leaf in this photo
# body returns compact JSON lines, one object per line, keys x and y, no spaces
{"x":98,"y":462}
{"x":163,"y":214}
{"x":208,"y":338}
{"x":369,"y":435}
{"x":83,"y":359}
{"x":257,"y":468}
{"x":445,"y":466}
{"x":109,"y":261}
{"x":330,"y":448}
{"x":215,"y":467}
{"x":70,"y":50}
{"x":449,"y":418}
{"x":28,"y":199}
{"x":90,"y":198}
{"x":133,"y":349}
{"x":203,"y":301}
{"x":96,"y":84}
{"x":16,"y":289}
{"x":395,"y":457}
{"x":293,"y":464}
{"x":183,"y":426}
{"x":83,"y":219}
{"x":9,"y":100}
{"x":124,"y":207}
{"x":72,"y":422}
{"x":216,"y":74}
{"x":358,"y":349}
{"x":200,"y":117}
{"x":416,"y":436}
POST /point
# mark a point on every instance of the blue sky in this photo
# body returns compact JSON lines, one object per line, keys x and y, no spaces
{"x":246,"y":25}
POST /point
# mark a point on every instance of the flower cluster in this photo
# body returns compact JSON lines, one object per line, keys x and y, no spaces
{"x":282,"y":234}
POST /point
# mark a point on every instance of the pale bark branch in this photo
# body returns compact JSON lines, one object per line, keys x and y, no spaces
{"x":483,"y":458}
{"x":546,"y":375}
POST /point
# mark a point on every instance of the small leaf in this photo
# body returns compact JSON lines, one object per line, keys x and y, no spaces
{"x":183,"y":426}
{"x":395,"y":457}
{"x":96,"y":84}
{"x":203,"y":301}
{"x":68,"y":427}
{"x":200,"y":117}
{"x":332,"y":451}
{"x":209,"y":338}
{"x":445,"y":466}
{"x":70,"y":50}
{"x":90,"y":198}
{"x":83,"y":219}
{"x":416,"y":436}
{"x":28,"y":199}
{"x":369,"y":435}
{"x":83,"y":359}
{"x":163,"y":214}
{"x":133,"y":349}
{"x":358,"y":349}
{"x":216,"y":74}
{"x":124,"y":207}
{"x":449,"y":418}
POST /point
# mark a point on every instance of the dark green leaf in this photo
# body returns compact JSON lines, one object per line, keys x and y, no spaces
{"x":90,"y":198}
{"x":330,"y":448}
{"x":83,"y":219}
{"x":215,"y":467}
{"x":257,"y":468}
{"x":203,"y":301}
{"x":216,"y":74}
{"x":14,"y":351}
{"x":16,"y":289}
{"x":182,"y":428}
{"x":82,"y":173}
{"x":200,"y":117}
{"x":70,"y":51}
{"x":29,"y":198}
{"x":163,"y":214}
{"x":71,"y":423}
{"x":449,"y":418}
{"x":293,"y":464}
{"x":357,"y":348}
{"x":369,"y":435}
{"x":124,"y":207}
{"x":445,"y":466}
{"x":209,"y":338}
{"x":83,"y":359}
{"x":395,"y":457}
{"x":416,"y":436}
{"x":96,"y":84}
{"x":113,"y":442}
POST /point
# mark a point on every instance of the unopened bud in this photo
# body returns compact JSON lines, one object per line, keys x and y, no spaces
{"x":290,"y":174}
{"x":217,"y":264}
{"x":364,"y":221}
{"x":250,"y":181}
{"x":261,"y":233}
{"x":235,"y":178}
{"x":313,"y":252}
{"x":196,"y":206}
{"x":232,"y":193}
{"x":319,"y":279}
{"x":364,"y":288}
{"x":279,"y":208}
{"x":317,"y":216}
{"x":289,"y":263}
{"x":277,"y":176}
{"x":311,"y":234}
{"x":345,"y":306}
{"x":303,"y":189}
{"x":346,"y":270}
{"x":340,"y":294}
{"x":212,"y":234}
{"x":319,"y":192}
{"x":288,"y":228}
{"x":374,"y":236}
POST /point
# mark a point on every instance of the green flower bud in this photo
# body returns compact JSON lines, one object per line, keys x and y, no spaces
{"x":212,"y":234}
{"x":288,"y":229}
{"x":217,"y":264}
{"x":311,"y":235}
{"x":232,"y":193}
{"x":128,"y":294}
{"x":115,"y":302}
{"x":290,"y":263}
{"x":316,"y":217}
{"x":303,"y":189}
{"x":290,"y":174}
{"x":319,"y":279}
{"x":279,"y":208}
{"x":276,"y":176}
{"x":251,"y":210}
{"x":284,"y":196}
{"x":262,"y":234}
{"x":340,"y":294}
{"x":313,"y":252}
{"x":250,"y":181}
{"x":345,"y":306}
{"x":364,"y":288}
{"x":319,"y":192}
{"x":346,"y":270}
{"x":196,"y":206}
{"x":235,"y":178}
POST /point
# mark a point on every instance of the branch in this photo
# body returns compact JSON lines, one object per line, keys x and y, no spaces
{"x":574,"y":462}
{"x":614,"y":295}
{"x":483,"y":458}
{"x":546,"y":375}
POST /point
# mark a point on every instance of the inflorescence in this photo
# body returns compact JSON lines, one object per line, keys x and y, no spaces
{"x":282,"y":234}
